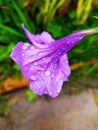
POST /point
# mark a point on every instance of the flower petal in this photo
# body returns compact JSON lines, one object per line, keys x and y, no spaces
{"x":64,"y":66}
{"x":46,"y":37}
{"x":47,"y":85}
{"x":66,"y":43}
{"x":39,"y":40}
{"x":50,"y":80}
{"x":45,"y":62}
{"x":16,"y":53}
{"x":46,"y":77}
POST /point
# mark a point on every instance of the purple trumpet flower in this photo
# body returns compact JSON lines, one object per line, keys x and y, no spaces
{"x":44,"y":62}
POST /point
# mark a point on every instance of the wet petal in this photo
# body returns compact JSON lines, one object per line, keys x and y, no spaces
{"x":46,"y":37}
{"x":51,"y":79}
{"x":39,"y":40}
{"x":64,"y":66}
{"x":16,"y":53}
{"x":45,"y":62}
{"x":47,"y":85}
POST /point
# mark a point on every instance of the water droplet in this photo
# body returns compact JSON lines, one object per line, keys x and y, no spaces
{"x":40,"y":54}
{"x":47,"y":73}
{"x":40,"y":68}
{"x":58,"y":90}
{"x":57,"y":80}
{"x":45,"y":92}
{"x":22,"y":54}
{"x":33,"y":77}
{"x":31,"y":85}
{"x":52,"y":75}
{"x":66,"y":61}
{"x":25,"y":46}
{"x":68,"y":42}
{"x":30,"y":60}
{"x":59,"y":52}
{"x":50,"y":93}
{"x":35,"y":63}
{"x":44,"y":59}
{"x":32,"y":47}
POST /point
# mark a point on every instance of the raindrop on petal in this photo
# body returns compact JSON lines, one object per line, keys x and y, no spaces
{"x":33,"y":77}
{"x":50,"y":93}
{"x":68,"y":42}
{"x":22,"y":54}
{"x":40,"y":54}
{"x":57,"y":80}
{"x":32,"y":47}
{"x":25,"y":46}
{"x":66,"y":61}
{"x":44,"y":59}
{"x":58,"y":90}
{"x":52,"y":75}
{"x":30,"y":60}
{"x":47,"y":73}
{"x":35,"y":63}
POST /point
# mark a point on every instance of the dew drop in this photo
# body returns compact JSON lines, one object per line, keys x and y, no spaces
{"x":59,"y":52}
{"x":50,"y":93}
{"x":52,"y":75}
{"x":40,"y":54}
{"x":66,"y":61}
{"x":22,"y":54}
{"x":57,"y":80}
{"x":44,"y":58}
{"x":58,"y":90}
{"x":30,"y":60}
{"x":68,"y":42}
{"x":35,"y":63}
{"x":33,"y":77}
{"x":31,"y":85}
{"x":45,"y":92}
{"x":25,"y":46}
{"x":32,"y":47}
{"x":47,"y":73}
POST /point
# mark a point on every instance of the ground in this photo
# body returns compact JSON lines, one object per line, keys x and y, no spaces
{"x":67,"y":112}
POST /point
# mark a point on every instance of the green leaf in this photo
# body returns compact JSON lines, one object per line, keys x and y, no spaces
{"x":10,"y":30}
{"x":31,"y":95}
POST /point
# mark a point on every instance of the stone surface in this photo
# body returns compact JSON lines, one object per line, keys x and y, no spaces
{"x":76,"y":112}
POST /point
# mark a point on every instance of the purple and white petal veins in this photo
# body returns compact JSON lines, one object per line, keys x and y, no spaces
{"x":44,"y":62}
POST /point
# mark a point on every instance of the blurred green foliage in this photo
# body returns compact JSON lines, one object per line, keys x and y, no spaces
{"x":31,"y":96}
{"x":47,"y":10}
{"x":83,"y":10}
{"x":59,"y":17}
{"x":3,"y":105}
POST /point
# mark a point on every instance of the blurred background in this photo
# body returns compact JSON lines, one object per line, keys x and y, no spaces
{"x":59,"y":18}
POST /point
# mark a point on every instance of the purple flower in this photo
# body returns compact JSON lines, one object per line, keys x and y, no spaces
{"x":44,"y":62}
